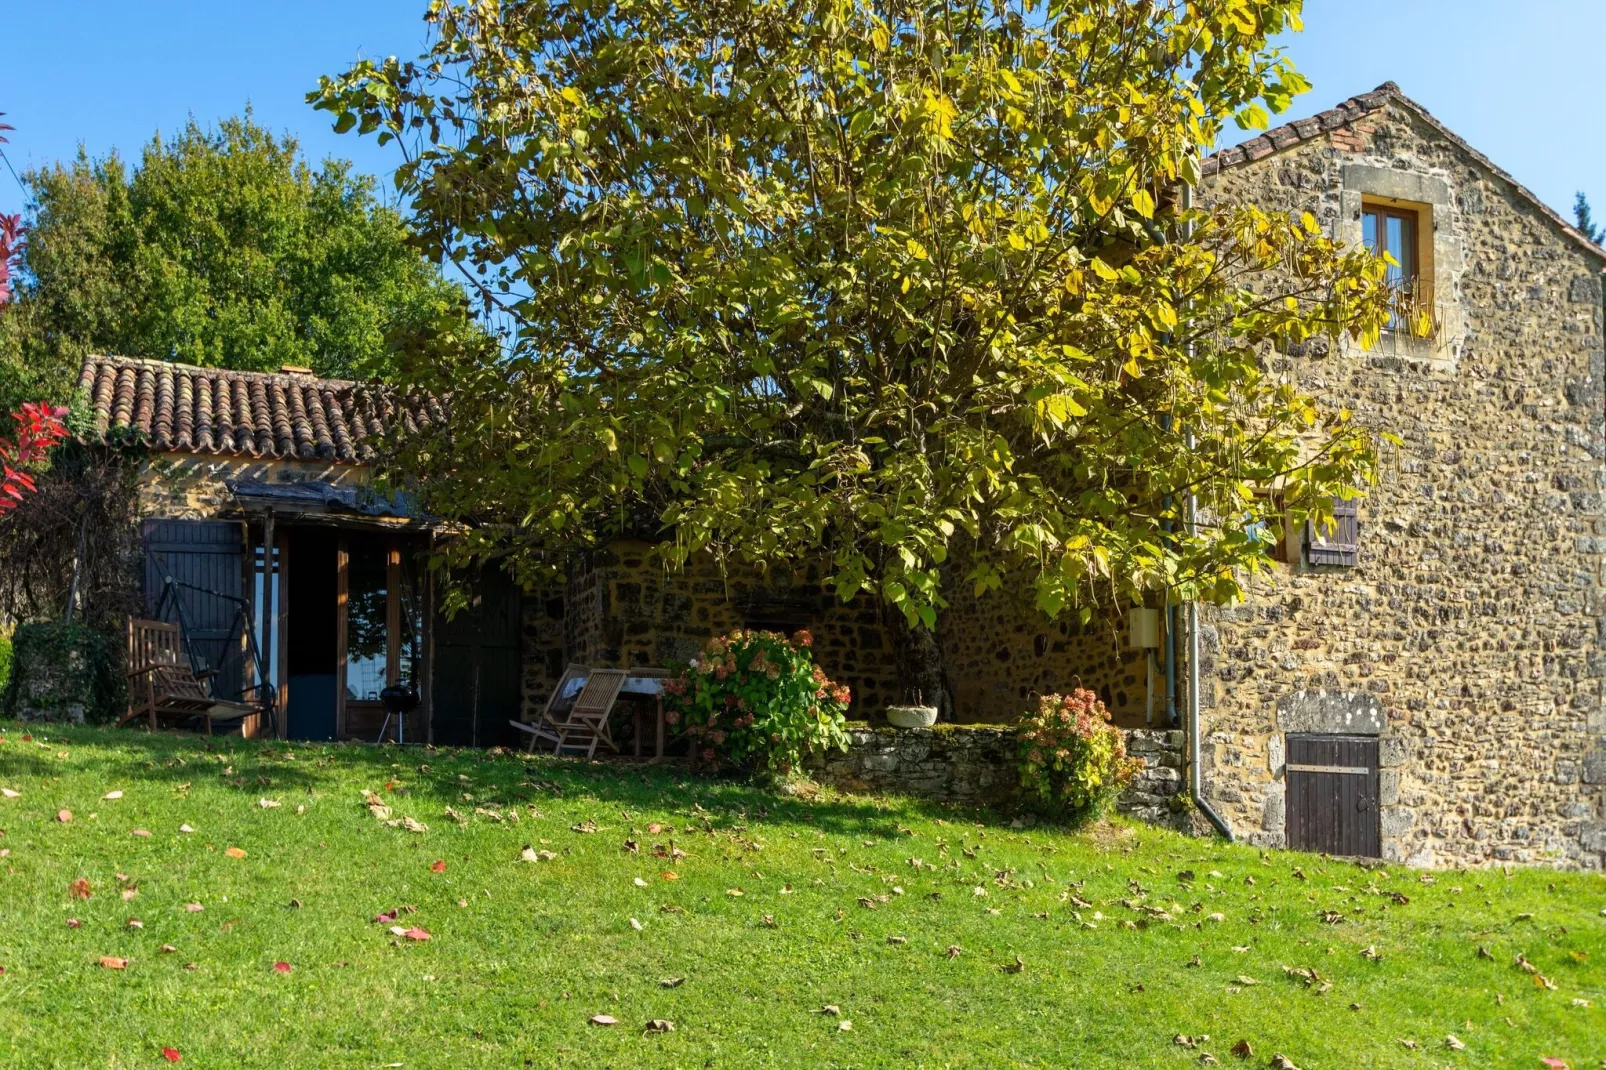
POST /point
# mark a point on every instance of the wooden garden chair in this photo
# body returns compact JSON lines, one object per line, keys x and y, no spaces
{"x":587,"y":725}
{"x":161,"y":685}
{"x":547,"y":723}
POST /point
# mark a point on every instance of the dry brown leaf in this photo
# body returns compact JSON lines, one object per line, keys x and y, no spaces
{"x":1017,"y":966}
{"x":1247,"y":981}
{"x":1454,"y":1043}
{"x":64,"y":816}
{"x":1282,"y":1062}
{"x":112,"y":962}
{"x":671,"y":982}
{"x":604,"y":1019}
{"x":1243,"y":1050}
{"x":954,"y":951}
{"x":140,"y":832}
{"x":234,"y":852}
{"x":194,"y":908}
{"x":660,"y":1025}
{"x":79,"y":889}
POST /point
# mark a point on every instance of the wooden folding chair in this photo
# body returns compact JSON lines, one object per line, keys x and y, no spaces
{"x":161,"y":685}
{"x":587,"y":725}
{"x":546,"y":725}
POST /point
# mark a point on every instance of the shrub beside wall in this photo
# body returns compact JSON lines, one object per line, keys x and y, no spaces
{"x":64,"y":672}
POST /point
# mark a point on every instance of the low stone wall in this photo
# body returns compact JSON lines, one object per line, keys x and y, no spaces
{"x":975,"y":765}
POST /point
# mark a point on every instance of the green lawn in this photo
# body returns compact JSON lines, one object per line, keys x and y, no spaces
{"x":907,"y":920}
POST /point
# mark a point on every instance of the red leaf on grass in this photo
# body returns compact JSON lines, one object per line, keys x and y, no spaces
{"x":172,"y":1055}
{"x":79,"y":889}
{"x":1555,"y":1064}
{"x":112,"y":962}
{"x":438,"y":866}
{"x":389,"y":915}
{"x":74,"y":923}
{"x":281,"y":967}
{"x":415,"y":933}
{"x":64,"y":816}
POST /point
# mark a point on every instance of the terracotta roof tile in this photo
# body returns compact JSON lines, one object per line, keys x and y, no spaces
{"x":177,"y":407}
{"x":1358,"y":107}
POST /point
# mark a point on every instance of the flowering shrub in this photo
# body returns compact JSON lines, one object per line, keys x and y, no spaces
{"x":756,"y":700}
{"x":1072,"y":760}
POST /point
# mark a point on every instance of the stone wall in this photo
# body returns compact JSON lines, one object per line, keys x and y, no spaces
{"x":1469,"y":636}
{"x":974,"y":765}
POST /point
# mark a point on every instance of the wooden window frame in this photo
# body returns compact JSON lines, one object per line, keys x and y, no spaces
{"x":1418,"y":284}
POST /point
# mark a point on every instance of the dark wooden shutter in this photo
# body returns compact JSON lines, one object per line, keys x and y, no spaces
{"x":477,"y":671}
{"x":1332,"y":785}
{"x":1340,"y":544}
{"x":207,"y":556}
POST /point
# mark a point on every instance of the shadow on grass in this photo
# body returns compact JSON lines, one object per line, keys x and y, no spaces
{"x":436,"y":776}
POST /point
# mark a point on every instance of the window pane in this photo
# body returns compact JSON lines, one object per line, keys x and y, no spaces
{"x":1369,"y":230}
{"x":367,"y":603}
{"x":1405,"y":250}
{"x":1394,"y":242}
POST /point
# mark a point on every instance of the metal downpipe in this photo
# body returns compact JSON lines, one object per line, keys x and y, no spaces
{"x":1195,"y":772}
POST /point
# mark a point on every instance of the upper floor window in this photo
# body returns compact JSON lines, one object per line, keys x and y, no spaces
{"x":1394,"y":231}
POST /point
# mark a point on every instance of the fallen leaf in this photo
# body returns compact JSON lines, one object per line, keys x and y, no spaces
{"x":112,"y":795}
{"x":268,"y":804}
{"x":1407,"y":1043}
{"x":1454,"y":1043}
{"x":416,"y":933}
{"x":172,"y":1055}
{"x":636,"y":925}
{"x":1483,"y":953}
{"x":64,"y":816}
{"x":1577,"y":1002}
{"x":897,"y":939}
{"x":1282,"y":1062}
{"x":954,"y":951}
{"x":640,"y":883}
{"x":1243,"y":1050}
{"x":733,"y":892}
{"x":282,"y":967}
{"x":438,"y":866}
{"x":9,"y":794}
{"x":844,"y":1026}
{"x":1014,"y":967}
{"x":74,"y":923}
{"x":669,"y":875}
{"x":130,"y":893}
{"x":234,"y":852}
{"x":112,"y":962}
{"x":1247,"y":981}
{"x":135,"y":923}
{"x":660,"y":1025}
{"x":185,"y":828}
{"x":79,"y":889}
{"x":604,"y":1019}
{"x":167,"y":949}
{"x":1554,"y":1063}
{"x":671,"y":982}
{"x":140,"y":832}
{"x":194,"y":908}
{"x":1371,"y":953}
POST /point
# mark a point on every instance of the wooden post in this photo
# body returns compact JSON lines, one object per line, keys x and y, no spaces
{"x":282,"y":627}
{"x":342,"y":593}
{"x":426,"y":685}
{"x":269,"y":675}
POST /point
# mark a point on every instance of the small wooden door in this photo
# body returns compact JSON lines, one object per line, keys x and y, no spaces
{"x":1332,"y":785}
{"x":205,"y":559}
{"x":477,"y":665}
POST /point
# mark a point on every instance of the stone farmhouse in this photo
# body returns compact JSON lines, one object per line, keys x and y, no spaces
{"x":1422,"y":684}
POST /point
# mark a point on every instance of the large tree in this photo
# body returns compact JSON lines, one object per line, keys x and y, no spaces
{"x":887,"y":284}
{"x":219,"y":247}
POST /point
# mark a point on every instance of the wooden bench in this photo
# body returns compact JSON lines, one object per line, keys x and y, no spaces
{"x":161,"y":685}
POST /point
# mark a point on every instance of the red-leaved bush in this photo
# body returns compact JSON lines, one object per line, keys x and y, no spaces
{"x":39,"y":429}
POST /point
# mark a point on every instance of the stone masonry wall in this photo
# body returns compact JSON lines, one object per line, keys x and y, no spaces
{"x":1469,"y":638}
{"x":974,"y":765}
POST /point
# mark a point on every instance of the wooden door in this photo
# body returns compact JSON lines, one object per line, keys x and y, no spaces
{"x":206,"y":561}
{"x":1332,"y":795}
{"x":476,"y":665}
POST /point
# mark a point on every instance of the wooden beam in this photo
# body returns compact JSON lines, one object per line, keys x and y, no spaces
{"x":342,"y":592}
{"x":427,"y":670}
{"x":282,"y":627}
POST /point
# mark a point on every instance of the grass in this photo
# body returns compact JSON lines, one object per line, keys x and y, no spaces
{"x":522,"y":954}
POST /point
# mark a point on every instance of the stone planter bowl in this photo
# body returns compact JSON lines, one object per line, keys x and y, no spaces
{"x":912,"y":716}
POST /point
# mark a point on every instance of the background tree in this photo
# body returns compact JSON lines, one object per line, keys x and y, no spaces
{"x":219,"y":247}
{"x":1586,"y":219}
{"x":885,"y":284}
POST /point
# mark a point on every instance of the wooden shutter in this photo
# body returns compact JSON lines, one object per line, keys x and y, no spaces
{"x":207,"y":556}
{"x":1333,"y":784}
{"x":1340,"y":544}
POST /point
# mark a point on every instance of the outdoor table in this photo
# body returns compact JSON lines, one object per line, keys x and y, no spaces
{"x":648,"y":683}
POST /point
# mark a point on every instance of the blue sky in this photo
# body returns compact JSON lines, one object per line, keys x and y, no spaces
{"x":1519,"y":80}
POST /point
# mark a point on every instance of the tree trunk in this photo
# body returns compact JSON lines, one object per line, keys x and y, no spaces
{"x":922,"y":671}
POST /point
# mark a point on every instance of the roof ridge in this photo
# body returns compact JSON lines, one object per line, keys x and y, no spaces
{"x":216,"y":372}
{"x":1357,"y":107}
